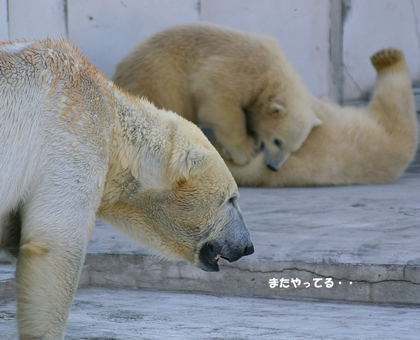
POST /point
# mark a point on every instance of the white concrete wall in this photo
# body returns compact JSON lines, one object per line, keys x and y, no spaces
{"x":36,"y":19}
{"x":106,"y":30}
{"x":4,"y":24}
{"x":371,"y":25}
{"x":301,"y":27}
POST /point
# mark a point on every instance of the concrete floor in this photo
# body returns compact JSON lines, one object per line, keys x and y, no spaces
{"x":122,"y":314}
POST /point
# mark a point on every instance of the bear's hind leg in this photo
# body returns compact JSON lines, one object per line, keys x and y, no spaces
{"x":392,"y":103}
{"x":391,"y":59}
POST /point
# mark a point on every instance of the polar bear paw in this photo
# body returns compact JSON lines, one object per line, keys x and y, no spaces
{"x":241,"y":154}
{"x":386,"y":58}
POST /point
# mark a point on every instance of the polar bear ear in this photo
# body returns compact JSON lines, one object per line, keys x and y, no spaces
{"x":317,"y":122}
{"x":190,"y":161}
{"x":278,"y":109}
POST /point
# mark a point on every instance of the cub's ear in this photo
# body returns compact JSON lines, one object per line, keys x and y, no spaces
{"x":190,"y":161}
{"x":317,"y":122}
{"x":278,"y":109}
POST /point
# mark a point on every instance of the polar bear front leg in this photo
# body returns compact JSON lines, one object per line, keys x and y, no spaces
{"x":51,"y":255}
{"x":229,"y":126}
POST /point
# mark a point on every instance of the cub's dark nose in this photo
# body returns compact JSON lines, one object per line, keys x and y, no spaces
{"x":249,"y":250}
{"x":273,"y":168}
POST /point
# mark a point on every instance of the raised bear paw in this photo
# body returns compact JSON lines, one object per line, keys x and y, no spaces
{"x":386,"y":58}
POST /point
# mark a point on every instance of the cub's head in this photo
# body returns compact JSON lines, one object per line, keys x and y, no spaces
{"x":180,"y":199}
{"x":280,"y":126}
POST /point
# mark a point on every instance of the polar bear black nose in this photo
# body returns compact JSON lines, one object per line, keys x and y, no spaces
{"x":249,"y":250}
{"x":272,"y":168}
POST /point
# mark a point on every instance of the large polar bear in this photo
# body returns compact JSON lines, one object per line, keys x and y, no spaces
{"x":72,"y":145}
{"x":372,"y":144}
{"x":241,"y":85}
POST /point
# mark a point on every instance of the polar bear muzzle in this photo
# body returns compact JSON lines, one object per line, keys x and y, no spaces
{"x":274,"y":163}
{"x":232,"y":242}
{"x":210,"y":254}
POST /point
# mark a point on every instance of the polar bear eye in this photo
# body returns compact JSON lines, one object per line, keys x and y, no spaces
{"x":278,"y":142}
{"x":233,"y":200}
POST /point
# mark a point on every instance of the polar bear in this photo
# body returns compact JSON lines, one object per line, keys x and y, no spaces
{"x":355,"y":145}
{"x":241,"y":85}
{"x":74,"y":146}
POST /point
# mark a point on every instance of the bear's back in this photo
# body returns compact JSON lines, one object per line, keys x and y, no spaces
{"x":161,"y":67}
{"x":191,"y":42}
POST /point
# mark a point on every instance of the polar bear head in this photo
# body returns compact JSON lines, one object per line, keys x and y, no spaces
{"x":281,"y":123}
{"x":176,"y":195}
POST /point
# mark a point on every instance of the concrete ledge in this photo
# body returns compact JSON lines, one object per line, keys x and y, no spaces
{"x":392,"y":284}
{"x":359,"y":283}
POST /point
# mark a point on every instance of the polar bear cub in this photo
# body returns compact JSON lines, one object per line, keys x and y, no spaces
{"x":355,"y":145}
{"x":74,"y":146}
{"x":241,"y":85}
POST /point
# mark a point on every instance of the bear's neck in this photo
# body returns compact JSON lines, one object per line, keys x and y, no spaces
{"x":140,"y":147}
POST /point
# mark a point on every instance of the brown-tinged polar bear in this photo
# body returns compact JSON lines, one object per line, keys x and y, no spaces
{"x":241,"y":85}
{"x":72,"y":145}
{"x":373,"y":144}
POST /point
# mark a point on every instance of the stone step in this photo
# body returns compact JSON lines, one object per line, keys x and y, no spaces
{"x":251,"y":278}
{"x":395,"y":284}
